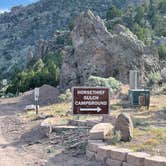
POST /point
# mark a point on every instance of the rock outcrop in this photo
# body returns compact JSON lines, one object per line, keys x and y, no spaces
{"x":101,"y":131}
{"x":124,"y":124}
{"x":24,"y":26}
{"x":101,"y":53}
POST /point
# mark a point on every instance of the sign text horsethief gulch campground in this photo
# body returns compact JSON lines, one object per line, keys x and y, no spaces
{"x":90,"y":100}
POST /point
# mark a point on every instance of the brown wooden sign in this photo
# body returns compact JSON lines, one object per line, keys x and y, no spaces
{"x":90,"y":100}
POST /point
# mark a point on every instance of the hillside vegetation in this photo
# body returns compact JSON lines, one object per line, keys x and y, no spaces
{"x":147,"y":21}
{"x":43,"y":71}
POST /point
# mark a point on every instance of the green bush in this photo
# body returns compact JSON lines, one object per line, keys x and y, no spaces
{"x":146,"y":20}
{"x":113,"y":12}
{"x":44,"y":71}
{"x":67,"y":96}
{"x":110,"y":82}
{"x":162,"y":52}
{"x":60,"y":40}
{"x":10,"y":95}
{"x":162,"y":7}
{"x":154,"y":77}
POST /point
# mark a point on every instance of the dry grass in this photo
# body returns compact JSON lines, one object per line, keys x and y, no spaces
{"x":56,"y":109}
{"x":150,"y":125}
{"x":158,"y":102}
{"x":151,"y":140}
{"x":62,"y":112}
{"x":59,"y":110}
{"x":149,"y":132}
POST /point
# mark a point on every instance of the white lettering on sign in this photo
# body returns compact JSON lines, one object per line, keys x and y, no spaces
{"x":91,"y":97}
{"x":91,"y":103}
{"x":90,"y":92}
{"x":90,"y":100}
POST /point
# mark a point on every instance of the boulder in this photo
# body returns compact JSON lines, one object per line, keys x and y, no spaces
{"x":101,"y":131}
{"x":30,"y":107}
{"x":124,"y":124}
{"x":101,"y":53}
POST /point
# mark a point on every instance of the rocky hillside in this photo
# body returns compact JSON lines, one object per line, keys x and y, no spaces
{"x":22,"y":29}
{"x":99,"y":52}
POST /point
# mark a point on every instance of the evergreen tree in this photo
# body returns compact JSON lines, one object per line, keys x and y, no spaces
{"x":139,"y":31}
{"x":38,"y":65}
{"x":162,"y":52}
{"x":139,"y":17}
{"x":113,"y":12}
{"x":162,"y":7}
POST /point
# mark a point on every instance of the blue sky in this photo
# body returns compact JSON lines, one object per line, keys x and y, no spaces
{"x":7,"y":4}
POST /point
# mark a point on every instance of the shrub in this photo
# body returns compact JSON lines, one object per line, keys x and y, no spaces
{"x":116,"y":138}
{"x":110,"y":82}
{"x":151,"y":142}
{"x":154,"y":77}
{"x":67,"y":96}
{"x":113,"y":12}
{"x":162,"y":52}
{"x":43,"y":71}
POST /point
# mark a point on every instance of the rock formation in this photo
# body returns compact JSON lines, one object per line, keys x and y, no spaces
{"x":124,"y":124}
{"x":23,"y":27}
{"x":101,"y":53}
{"x":101,"y":131}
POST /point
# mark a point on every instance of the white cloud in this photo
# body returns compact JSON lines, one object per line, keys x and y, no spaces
{"x":3,"y":10}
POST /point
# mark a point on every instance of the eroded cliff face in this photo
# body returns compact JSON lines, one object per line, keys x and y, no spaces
{"x":24,"y":29}
{"x":99,"y":52}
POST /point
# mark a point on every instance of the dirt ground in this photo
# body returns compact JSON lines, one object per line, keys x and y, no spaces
{"x":149,"y":126}
{"x":23,"y":144}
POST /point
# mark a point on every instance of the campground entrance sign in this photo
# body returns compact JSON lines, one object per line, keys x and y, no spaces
{"x":90,"y":100}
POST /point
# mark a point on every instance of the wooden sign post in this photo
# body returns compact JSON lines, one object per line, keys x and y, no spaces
{"x":90,"y":100}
